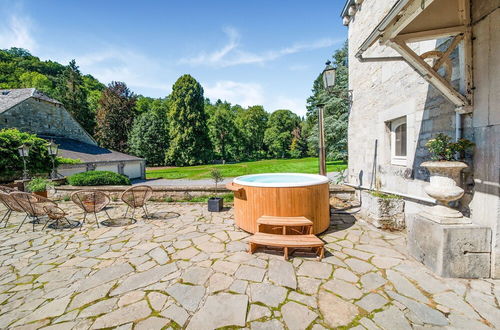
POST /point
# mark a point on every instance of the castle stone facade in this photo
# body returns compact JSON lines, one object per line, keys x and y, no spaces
{"x":389,"y":93}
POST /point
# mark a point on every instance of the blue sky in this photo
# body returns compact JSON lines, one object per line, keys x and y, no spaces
{"x":246,"y":52}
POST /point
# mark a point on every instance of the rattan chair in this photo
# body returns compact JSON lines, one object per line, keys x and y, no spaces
{"x":56,"y":214}
{"x":91,"y":201}
{"x":11,"y":205}
{"x":6,"y":189}
{"x":136,"y":197}
{"x":33,"y":205}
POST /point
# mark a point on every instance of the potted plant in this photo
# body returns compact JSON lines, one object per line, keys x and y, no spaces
{"x":39,"y":186}
{"x":445,"y":169}
{"x":215,"y":204}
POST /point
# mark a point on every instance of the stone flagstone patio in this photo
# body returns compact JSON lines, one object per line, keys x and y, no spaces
{"x":193,"y":272}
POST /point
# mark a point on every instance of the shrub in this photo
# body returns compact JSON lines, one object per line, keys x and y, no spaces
{"x":441,"y":147}
{"x":62,"y":160}
{"x":384,"y":195}
{"x":38,"y":184}
{"x":98,"y":178}
{"x":12,"y":164}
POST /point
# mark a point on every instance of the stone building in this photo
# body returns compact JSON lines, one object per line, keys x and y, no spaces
{"x":31,"y":111}
{"x":418,"y":68}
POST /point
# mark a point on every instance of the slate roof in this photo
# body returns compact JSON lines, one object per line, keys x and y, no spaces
{"x":87,"y":153}
{"x":12,"y":97}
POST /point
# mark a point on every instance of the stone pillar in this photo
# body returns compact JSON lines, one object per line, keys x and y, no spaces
{"x":462,"y":251}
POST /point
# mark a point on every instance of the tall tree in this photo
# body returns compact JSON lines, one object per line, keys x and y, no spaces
{"x":336,"y":110}
{"x":115,"y":116}
{"x":71,"y":93}
{"x":252,"y":124}
{"x":279,"y":133}
{"x":189,"y":141}
{"x":149,"y":137}
{"x":222,"y":130}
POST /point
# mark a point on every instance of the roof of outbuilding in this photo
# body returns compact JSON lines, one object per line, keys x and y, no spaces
{"x":87,"y":153}
{"x":12,"y":97}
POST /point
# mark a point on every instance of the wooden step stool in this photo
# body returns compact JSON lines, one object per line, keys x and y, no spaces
{"x":293,"y":223}
{"x":286,"y":242}
{"x":300,"y":225}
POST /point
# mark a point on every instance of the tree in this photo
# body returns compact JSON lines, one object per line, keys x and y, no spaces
{"x":336,"y":110}
{"x":36,"y":80}
{"x":251,"y":124}
{"x":115,"y":116}
{"x":298,"y":148}
{"x":72,"y":93}
{"x":279,"y":133}
{"x":149,"y":138}
{"x":189,"y":141}
{"x":145,"y":103}
{"x":222,"y":130}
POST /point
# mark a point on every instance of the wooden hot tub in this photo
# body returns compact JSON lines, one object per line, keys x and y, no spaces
{"x":281,"y":194}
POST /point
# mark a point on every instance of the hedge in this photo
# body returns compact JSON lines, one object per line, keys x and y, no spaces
{"x":98,"y":178}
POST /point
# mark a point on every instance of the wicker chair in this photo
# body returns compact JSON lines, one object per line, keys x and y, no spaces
{"x":6,"y":189}
{"x":91,"y":201}
{"x":56,"y":214}
{"x":33,"y":205}
{"x":136,"y":197}
{"x":11,"y":205}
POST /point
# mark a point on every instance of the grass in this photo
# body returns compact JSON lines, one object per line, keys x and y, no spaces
{"x":228,"y":197}
{"x":303,"y":165}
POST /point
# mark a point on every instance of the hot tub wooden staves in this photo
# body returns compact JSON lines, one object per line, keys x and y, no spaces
{"x":250,"y":203}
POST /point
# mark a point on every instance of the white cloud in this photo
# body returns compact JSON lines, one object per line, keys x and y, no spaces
{"x":231,"y":54}
{"x":114,"y":63}
{"x":16,"y":32}
{"x":297,"y":105}
{"x":248,"y":94}
{"x":244,"y":94}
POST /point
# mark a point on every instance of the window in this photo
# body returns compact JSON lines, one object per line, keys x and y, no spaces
{"x":398,"y":141}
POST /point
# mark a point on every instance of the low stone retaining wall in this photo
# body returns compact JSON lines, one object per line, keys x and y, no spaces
{"x":179,"y":192}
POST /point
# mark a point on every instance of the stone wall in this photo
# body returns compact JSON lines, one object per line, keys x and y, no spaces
{"x":484,"y":125}
{"x":43,"y":118}
{"x":383,"y":91}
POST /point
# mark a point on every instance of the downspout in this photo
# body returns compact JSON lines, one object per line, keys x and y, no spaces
{"x":458,"y":126}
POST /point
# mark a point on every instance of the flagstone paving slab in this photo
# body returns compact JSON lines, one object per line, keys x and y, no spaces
{"x":191,"y":271}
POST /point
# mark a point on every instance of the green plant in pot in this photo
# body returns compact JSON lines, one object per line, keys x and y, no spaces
{"x":216,"y":204}
{"x":445,"y":169}
{"x":39,"y":186}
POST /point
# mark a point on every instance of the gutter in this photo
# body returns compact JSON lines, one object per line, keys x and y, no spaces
{"x":375,"y":34}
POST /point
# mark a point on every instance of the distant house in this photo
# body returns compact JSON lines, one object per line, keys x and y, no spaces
{"x":418,"y":68}
{"x":29,"y":110}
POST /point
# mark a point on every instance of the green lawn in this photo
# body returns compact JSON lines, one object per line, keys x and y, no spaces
{"x":303,"y":165}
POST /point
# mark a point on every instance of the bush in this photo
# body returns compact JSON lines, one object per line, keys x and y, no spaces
{"x":71,"y":161}
{"x":38,"y":184}
{"x":11,"y":164}
{"x":98,"y":178}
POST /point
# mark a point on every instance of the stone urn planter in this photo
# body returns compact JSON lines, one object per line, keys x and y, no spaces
{"x":443,"y":187}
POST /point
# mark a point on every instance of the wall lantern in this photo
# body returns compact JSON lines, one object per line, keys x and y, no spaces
{"x":52,"y":147}
{"x":329,"y":75}
{"x":24,"y":150}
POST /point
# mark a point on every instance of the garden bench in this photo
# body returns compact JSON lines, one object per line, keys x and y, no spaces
{"x":286,"y":242}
